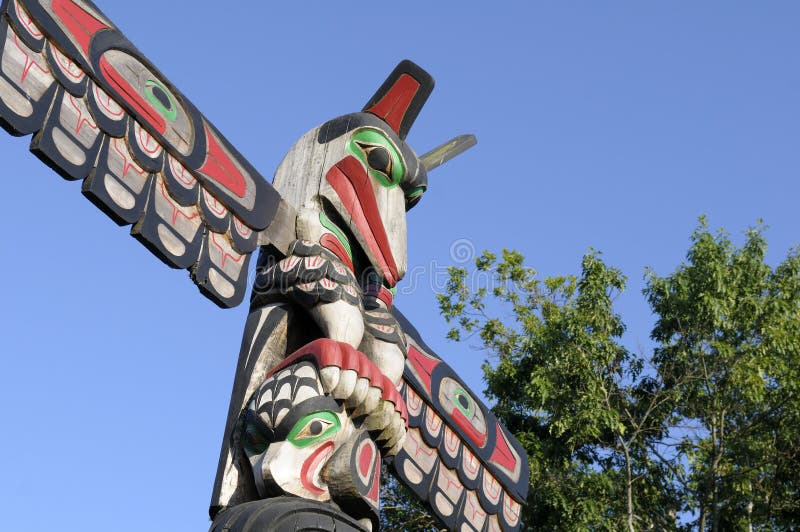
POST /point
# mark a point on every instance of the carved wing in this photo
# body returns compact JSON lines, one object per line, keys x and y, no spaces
{"x":102,"y":113}
{"x":457,"y":456}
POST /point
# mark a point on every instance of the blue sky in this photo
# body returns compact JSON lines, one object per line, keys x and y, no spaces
{"x":605,"y":125}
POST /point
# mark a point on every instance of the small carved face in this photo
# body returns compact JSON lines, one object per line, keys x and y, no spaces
{"x":292,"y":430}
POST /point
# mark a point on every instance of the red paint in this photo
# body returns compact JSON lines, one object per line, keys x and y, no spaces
{"x":241,"y":228}
{"x":104,"y":100}
{"x":469,"y":463}
{"x":376,"y":484}
{"x":394,"y":104}
{"x":423,"y":366}
{"x":176,"y":210}
{"x":311,"y":465}
{"x":81,"y":119}
{"x":146,"y":142}
{"x":67,"y":66}
{"x":386,"y":296}
{"x":502,"y":454}
{"x":473,"y":511}
{"x":477,"y":437}
{"x":225,"y":254}
{"x":353,"y":185}
{"x":29,"y":62}
{"x":451,"y":441}
{"x":432,"y":422}
{"x":331,"y":243}
{"x":452,"y":486}
{"x":126,"y":163}
{"x":131,"y":96}
{"x":351,"y":359}
{"x":326,"y":352}
{"x":413,"y":401}
{"x":511,"y":510}
{"x":220,"y":168}
{"x":491,"y":488}
{"x":181,"y":173}
{"x":26,"y":20}
{"x":216,"y":208}
{"x":80,"y":25}
{"x":366,"y":454}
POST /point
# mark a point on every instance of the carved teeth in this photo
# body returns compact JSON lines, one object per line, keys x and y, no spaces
{"x":393,"y":432}
{"x":370,"y":402}
{"x":397,"y":446}
{"x":330,"y":377}
{"x":346,"y":384}
{"x":381,"y":417}
{"x":359,"y":393}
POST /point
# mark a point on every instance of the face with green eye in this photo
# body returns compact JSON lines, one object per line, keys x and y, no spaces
{"x":463,"y":410}
{"x":314,"y":428}
{"x":292,"y":430}
{"x":156,"y":105}
{"x":379,"y":154}
{"x":294,"y":465}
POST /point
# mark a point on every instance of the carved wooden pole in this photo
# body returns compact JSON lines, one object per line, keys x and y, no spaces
{"x":331,"y":380}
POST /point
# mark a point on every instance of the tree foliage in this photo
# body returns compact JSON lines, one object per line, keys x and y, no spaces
{"x":700,"y":433}
{"x":728,"y":326}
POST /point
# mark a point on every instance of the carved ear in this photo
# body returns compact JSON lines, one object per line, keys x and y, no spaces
{"x":353,"y":476}
{"x":401,"y":97}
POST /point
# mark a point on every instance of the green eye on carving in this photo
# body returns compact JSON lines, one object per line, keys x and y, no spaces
{"x":380,"y":156}
{"x":313,"y":428}
{"x":464,"y":402}
{"x":160,"y":97}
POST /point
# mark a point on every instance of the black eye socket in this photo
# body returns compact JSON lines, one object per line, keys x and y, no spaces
{"x":378,"y":158}
{"x":315,"y":429}
{"x":463,"y":401}
{"x":161,"y":96}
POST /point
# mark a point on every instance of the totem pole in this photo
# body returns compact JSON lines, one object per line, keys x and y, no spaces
{"x":332,"y":380}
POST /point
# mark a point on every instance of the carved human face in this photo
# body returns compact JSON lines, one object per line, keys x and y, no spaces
{"x":292,"y":430}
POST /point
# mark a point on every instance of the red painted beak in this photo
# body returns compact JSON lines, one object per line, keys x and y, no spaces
{"x":353,"y":185}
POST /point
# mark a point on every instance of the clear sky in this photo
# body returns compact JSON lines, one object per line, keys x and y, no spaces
{"x":611,"y":125}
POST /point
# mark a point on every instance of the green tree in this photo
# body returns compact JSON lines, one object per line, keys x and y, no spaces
{"x":577,"y":400}
{"x":702,"y":433}
{"x":728,"y":327}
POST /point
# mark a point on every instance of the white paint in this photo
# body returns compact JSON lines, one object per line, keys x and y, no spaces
{"x":170,"y":241}
{"x":220,"y":284}
{"x":118,"y":193}
{"x":12,"y":98}
{"x":67,"y":147}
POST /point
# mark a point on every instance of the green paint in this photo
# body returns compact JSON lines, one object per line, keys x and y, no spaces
{"x":313,"y":428}
{"x":470,"y":410}
{"x":393,"y":291}
{"x":365,"y":138}
{"x":415,"y":192}
{"x":170,"y":112}
{"x":330,"y":226}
